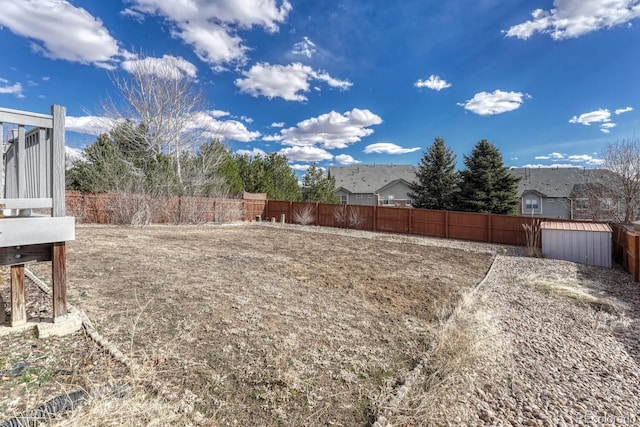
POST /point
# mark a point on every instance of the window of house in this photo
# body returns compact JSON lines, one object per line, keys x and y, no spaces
{"x":531,"y":204}
{"x":371,"y":196}
{"x":342,"y":199}
{"x":582,"y":204}
{"x":607,"y":204}
{"x":358,"y":196}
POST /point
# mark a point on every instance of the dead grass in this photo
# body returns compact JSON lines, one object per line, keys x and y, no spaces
{"x":470,"y":337}
{"x":261,"y":325}
{"x":571,"y":289}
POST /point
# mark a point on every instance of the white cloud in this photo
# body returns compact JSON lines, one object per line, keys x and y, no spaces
{"x":90,"y":125}
{"x":246,"y":119}
{"x":606,"y":127}
{"x":301,"y":168}
{"x":223,"y":129}
{"x":288,"y":82}
{"x":388,"y":148}
{"x":305,"y":48}
{"x":306,"y":154}
{"x":219,"y":113}
{"x":552,"y":156}
{"x":496,"y":102}
{"x":433,"y":82}
{"x":345,"y":159}
{"x":14,"y":89}
{"x":252,"y":153}
{"x":332,"y":130}
{"x":272,"y":138}
{"x":598,"y":116}
{"x":277,"y":125}
{"x":602,"y":116}
{"x":210,"y":26}
{"x":167,"y":67}
{"x":574,"y":18}
{"x":623,"y":110}
{"x":60,"y":30}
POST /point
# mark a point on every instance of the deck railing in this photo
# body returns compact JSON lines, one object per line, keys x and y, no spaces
{"x":33,"y":177}
{"x":33,"y":169}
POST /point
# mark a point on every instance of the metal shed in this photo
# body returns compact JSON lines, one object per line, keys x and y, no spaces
{"x":584,"y":242}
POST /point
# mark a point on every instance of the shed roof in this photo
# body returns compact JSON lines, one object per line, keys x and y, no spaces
{"x":576,"y":226}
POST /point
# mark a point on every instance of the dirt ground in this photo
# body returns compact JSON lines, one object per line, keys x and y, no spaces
{"x":259,"y":325}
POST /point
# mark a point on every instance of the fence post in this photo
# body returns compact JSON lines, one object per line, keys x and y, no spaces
{"x":636,"y":255}
{"x":290,"y":211}
{"x":446,"y":224}
{"x":266,"y":209}
{"x":375,"y":218}
{"x":489,"y":227}
{"x":317,"y":213}
{"x":410,"y":220}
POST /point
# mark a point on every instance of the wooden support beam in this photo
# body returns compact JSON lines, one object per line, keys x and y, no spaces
{"x":59,"y":281}
{"x":18,"y":306}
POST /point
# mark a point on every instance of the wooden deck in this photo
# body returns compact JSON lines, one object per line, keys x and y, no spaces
{"x":33,"y":172}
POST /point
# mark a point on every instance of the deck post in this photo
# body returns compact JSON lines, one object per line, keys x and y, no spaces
{"x":18,"y":307}
{"x":59,"y":279}
{"x":58,"y":163}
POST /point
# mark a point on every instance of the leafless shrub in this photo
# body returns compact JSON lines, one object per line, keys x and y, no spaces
{"x":355,"y":217}
{"x":227,"y":210}
{"x":532,"y":234}
{"x":129,"y":209}
{"x":304,"y":215}
{"x":341,"y":215}
{"x":348,"y":216}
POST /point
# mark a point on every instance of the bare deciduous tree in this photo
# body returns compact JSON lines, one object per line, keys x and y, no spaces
{"x":161,"y":96}
{"x":623,"y":158}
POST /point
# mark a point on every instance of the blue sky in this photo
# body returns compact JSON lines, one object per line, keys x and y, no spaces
{"x":352,"y":81}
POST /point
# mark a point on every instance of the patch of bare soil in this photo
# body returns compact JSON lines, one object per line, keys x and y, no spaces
{"x":265,"y":325}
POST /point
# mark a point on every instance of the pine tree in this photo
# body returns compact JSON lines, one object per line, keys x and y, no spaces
{"x":486,"y":184}
{"x":437,"y":180}
{"x":317,"y":187}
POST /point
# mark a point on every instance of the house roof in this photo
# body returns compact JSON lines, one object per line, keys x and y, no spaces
{"x":559,"y":182}
{"x":370,"y":178}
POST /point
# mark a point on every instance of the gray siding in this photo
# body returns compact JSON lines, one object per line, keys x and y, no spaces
{"x":585,"y":247}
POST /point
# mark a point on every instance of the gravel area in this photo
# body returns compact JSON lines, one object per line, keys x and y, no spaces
{"x":552,"y":343}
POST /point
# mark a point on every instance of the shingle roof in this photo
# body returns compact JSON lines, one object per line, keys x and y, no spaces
{"x":370,"y":178}
{"x":558,"y":182}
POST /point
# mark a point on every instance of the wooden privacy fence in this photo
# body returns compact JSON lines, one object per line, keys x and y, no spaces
{"x":109,"y":208}
{"x":626,"y":249}
{"x":503,"y":229}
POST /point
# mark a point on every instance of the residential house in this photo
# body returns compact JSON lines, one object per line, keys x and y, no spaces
{"x":377,"y":185}
{"x":569,"y":193}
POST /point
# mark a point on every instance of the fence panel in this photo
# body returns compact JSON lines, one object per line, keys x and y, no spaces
{"x":275,"y":209}
{"x":429,"y":223}
{"x":508,"y":230}
{"x":326,"y":215}
{"x":392,"y":220}
{"x":254,"y":208}
{"x":469,"y":226}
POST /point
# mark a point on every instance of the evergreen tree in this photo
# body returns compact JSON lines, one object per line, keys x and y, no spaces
{"x":317,"y":187}
{"x":270,"y":174}
{"x":436,"y":184}
{"x":486,"y":184}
